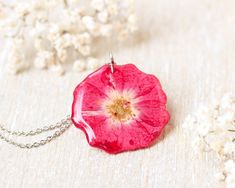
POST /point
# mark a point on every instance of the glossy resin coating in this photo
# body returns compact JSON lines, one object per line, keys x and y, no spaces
{"x":120,"y":111}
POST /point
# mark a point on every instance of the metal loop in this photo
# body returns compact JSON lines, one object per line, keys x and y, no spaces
{"x":111,"y":62}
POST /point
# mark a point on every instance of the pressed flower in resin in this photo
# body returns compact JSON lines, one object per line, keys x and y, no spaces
{"x":120,"y":110}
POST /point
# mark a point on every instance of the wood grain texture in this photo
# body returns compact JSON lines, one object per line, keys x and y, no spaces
{"x":189,"y":45}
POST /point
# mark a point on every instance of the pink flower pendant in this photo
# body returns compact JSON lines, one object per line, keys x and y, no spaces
{"x":121,"y":109}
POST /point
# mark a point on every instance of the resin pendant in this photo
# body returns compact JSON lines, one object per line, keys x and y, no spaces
{"x":120,"y":108}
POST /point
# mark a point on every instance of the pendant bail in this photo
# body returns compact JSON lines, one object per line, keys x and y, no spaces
{"x":111,"y":62}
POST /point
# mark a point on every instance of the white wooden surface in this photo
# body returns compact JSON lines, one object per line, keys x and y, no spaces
{"x":188,"y":44}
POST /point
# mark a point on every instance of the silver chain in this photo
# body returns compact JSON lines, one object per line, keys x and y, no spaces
{"x":59,"y":128}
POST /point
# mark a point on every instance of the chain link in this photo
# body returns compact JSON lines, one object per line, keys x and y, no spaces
{"x":60,"y":128}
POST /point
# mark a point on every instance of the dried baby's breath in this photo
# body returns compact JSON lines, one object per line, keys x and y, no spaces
{"x":60,"y":32}
{"x":213,"y":129}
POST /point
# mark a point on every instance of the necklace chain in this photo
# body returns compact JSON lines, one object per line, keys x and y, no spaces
{"x":58,"y":128}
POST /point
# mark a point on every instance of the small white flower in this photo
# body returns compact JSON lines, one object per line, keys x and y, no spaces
{"x":189,"y":122}
{"x":62,"y":54}
{"x":18,"y":43}
{"x":198,"y":144}
{"x":40,"y":29}
{"x":105,"y":30}
{"x":227,"y":100}
{"x":16,"y":58}
{"x":229,"y":148}
{"x":230,"y":166}
{"x":42,"y":15}
{"x":38,"y":43}
{"x":230,"y":181}
{"x":226,"y":118}
{"x":54,"y":32}
{"x":60,"y":43}
{"x":112,"y":9}
{"x":16,"y":63}
{"x":81,"y":39}
{"x":220,"y":176}
{"x":103,"y":16}
{"x":89,"y":22}
{"x":44,"y":59}
{"x":84,"y":50}
{"x":57,"y":69}
{"x":79,"y":66}
{"x":132,"y":19}
{"x":92,"y":63}
{"x":98,"y":4}
{"x":22,"y":9}
{"x":217,"y":145}
{"x":132,"y":23}
{"x":66,"y":40}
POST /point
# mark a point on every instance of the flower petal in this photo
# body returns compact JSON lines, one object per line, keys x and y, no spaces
{"x":136,"y":80}
{"x":153,"y":113}
{"x":116,"y":139}
{"x":91,"y":97}
{"x":112,"y":135}
{"x":156,"y":94}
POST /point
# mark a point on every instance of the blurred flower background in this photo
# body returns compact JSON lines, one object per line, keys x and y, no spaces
{"x":213,"y":129}
{"x":71,"y":35}
{"x":74,"y":37}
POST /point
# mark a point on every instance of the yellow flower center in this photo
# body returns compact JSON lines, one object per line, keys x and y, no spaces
{"x":120,"y":109}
